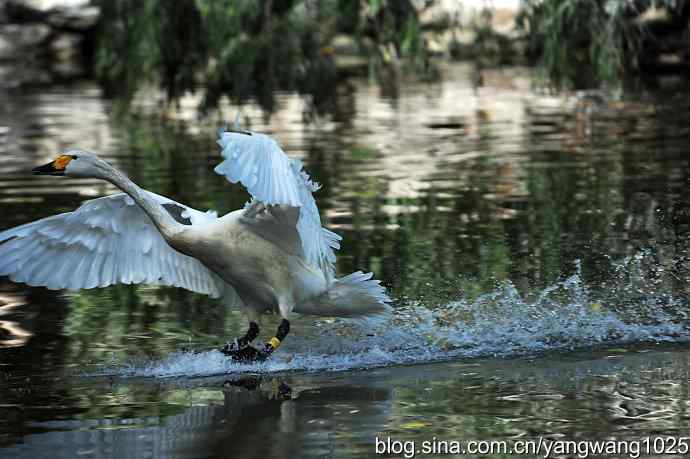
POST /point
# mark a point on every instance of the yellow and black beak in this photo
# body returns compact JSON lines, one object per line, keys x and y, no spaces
{"x":56,"y":167}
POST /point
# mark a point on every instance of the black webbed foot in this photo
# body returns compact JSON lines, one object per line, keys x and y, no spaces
{"x":233,"y":346}
{"x":241,"y":351}
{"x":237,"y":346}
{"x":246,"y":354}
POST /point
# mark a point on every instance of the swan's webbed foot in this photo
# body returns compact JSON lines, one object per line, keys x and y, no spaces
{"x":240,"y":343}
{"x":249,"y":353}
{"x":246,"y":354}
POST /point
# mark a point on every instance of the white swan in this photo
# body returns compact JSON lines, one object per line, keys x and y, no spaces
{"x":273,"y":255}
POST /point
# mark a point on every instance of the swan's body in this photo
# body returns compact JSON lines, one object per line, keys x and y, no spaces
{"x":273,"y":255}
{"x":266,"y":275}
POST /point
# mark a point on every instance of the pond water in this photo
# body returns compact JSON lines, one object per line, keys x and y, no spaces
{"x":536,"y":247}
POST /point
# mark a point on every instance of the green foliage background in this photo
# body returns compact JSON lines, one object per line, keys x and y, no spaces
{"x":244,"y":48}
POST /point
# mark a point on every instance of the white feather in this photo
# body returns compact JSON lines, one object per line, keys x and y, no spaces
{"x":270,"y":176}
{"x":105,"y":241}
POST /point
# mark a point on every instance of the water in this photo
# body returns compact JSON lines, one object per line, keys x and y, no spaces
{"x":536,"y":247}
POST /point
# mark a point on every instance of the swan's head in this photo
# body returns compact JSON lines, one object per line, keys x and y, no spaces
{"x":74,"y":163}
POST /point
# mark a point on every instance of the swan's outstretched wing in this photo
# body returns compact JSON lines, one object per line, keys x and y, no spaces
{"x":106,"y":241}
{"x":258,"y":162}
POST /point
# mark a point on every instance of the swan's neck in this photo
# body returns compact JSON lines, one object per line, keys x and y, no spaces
{"x":165,"y":223}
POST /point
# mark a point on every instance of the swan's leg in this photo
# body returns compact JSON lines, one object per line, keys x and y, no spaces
{"x":243,"y":341}
{"x":252,"y":354}
{"x":273,"y":343}
{"x":251,"y":334}
{"x":249,"y":353}
{"x":285,"y":308}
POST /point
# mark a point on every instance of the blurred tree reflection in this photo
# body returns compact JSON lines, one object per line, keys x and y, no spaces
{"x":242,"y":48}
{"x":611,"y":39}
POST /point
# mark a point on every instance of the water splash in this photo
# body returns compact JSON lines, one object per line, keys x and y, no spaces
{"x":633,"y":307}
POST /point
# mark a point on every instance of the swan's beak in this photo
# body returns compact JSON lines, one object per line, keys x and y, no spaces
{"x":56,"y":167}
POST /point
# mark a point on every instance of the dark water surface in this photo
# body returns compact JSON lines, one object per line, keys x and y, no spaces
{"x":536,"y":247}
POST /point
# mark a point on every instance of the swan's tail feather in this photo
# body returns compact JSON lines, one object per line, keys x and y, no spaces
{"x":354,"y":295}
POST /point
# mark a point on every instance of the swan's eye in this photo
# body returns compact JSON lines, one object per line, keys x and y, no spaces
{"x":75,"y":157}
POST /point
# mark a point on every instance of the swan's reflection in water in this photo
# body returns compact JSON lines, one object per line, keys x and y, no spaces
{"x":246,"y":417}
{"x":624,"y":393}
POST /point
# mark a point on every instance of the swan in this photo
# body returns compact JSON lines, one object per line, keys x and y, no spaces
{"x":273,"y":255}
